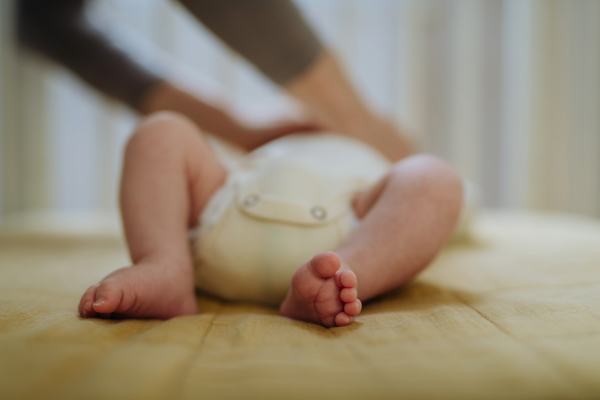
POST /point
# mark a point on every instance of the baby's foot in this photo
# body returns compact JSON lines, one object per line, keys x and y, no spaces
{"x":322,"y":293}
{"x":145,"y":290}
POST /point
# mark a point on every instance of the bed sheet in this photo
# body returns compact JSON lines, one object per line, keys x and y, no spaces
{"x":513,"y":313}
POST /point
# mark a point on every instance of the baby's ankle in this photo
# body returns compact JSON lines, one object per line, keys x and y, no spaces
{"x":164,"y":258}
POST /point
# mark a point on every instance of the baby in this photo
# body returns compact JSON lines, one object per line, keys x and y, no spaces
{"x":315,"y":223}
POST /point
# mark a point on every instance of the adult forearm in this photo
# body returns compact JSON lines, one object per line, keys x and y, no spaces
{"x":166,"y":96}
{"x":328,"y":93}
{"x":271,"y":34}
{"x":60,"y":30}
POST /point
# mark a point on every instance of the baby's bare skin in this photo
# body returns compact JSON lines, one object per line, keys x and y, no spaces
{"x":144,"y":290}
{"x":323,"y":291}
{"x":170,"y":173}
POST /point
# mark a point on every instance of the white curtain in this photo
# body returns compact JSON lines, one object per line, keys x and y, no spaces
{"x":507,"y":90}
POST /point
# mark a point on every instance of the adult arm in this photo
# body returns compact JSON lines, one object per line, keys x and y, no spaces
{"x":275,"y":38}
{"x":270,"y":33}
{"x":60,"y":30}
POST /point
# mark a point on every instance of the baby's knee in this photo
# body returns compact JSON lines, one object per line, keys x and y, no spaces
{"x":165,"y":118}
{"x":165,"y":129}
{"x":432,"y":176}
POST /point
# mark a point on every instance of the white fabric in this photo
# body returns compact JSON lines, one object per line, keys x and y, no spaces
{"x":281,"y":205}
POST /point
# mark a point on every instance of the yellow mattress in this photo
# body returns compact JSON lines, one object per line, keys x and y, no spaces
{"x":515,"y":314}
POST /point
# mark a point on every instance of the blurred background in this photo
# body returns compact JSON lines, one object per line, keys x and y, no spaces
{"x":508,"y":91}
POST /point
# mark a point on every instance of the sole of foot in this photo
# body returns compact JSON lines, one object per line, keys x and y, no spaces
{"x":323,"y":291}
{"x":141,"y":291}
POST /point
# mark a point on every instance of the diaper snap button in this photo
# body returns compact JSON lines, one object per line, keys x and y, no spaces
{"x":318,"y":212}
{"x":251,"y":200}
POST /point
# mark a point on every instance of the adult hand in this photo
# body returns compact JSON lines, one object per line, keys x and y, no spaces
{"x":327,"y":92}
{"x":215,"y":120}
{"x":251,"y":138}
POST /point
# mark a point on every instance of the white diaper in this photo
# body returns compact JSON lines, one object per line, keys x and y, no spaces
{"x":281,"y":205}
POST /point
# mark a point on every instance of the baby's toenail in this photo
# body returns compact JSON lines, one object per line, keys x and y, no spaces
{"x":87,"y":305}
{"x":99,"y":301}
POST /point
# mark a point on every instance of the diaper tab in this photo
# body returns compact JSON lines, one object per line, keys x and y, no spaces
{"x":292,"y":211}
{"x":303,"y":198}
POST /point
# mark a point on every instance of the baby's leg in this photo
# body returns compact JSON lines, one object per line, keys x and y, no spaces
{"x":169,"y":173}
{"x":406,"y":219}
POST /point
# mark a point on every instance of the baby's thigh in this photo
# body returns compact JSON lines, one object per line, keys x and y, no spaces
{"x":416,"y":178}
{"x":176,"y":143}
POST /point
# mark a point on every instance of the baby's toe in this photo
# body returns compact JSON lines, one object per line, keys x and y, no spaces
{"x":345,"y":279}
{"x":86,"y":309}
{"x":343,"y":319}
{"x":348,"y":295}
{"x":353,"y":308}
{"x":108,"y":297}
{"x":325,"y":265}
